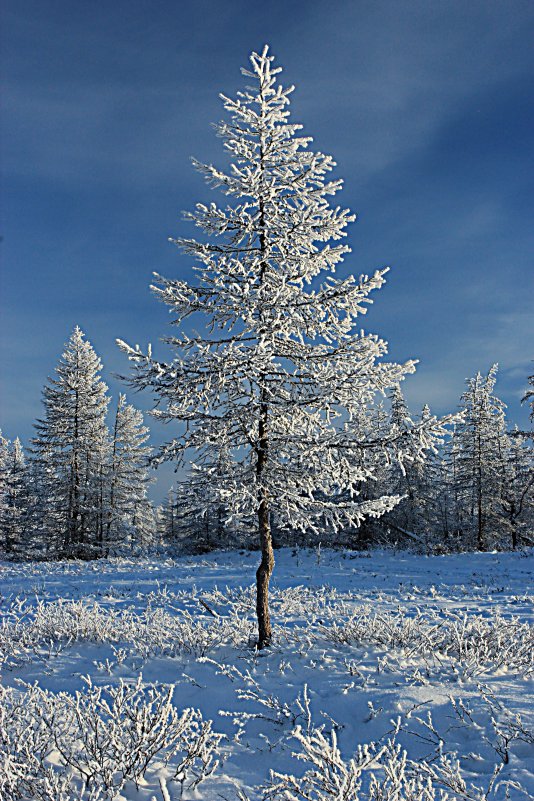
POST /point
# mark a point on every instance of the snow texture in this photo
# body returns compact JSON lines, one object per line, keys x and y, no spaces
{"x":391,"y":676}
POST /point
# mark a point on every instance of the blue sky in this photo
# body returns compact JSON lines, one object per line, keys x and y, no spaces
{"x":428,"y":108}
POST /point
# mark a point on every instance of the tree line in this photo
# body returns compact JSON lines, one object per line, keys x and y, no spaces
{"x":463,"y":483}
{"x":472,"y":490}
{"x":82,"y":493}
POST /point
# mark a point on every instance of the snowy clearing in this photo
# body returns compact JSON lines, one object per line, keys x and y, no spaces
{"x":391,"y":676}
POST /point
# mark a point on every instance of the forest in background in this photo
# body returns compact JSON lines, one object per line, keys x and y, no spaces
{"x":82,"y":488}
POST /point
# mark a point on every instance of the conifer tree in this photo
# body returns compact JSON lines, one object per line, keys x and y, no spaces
{"x":281,"y":365}
{"x":413,"y":444}
{"x":14,"y":497}
{"x":128,"y":507}
{"x":167,"y":519}
{"x":71,"y":453}
{"x":18,"y":499}
{"x":406,"y":474}
{"x":517,"y":489}
{"x":480,"y":442}
{"x":4,"y":480}
{"x":183,"y":529}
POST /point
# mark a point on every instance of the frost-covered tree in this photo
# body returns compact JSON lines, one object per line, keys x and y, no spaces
{"x":281,"y":367}
{"x":190,"y":520}
{"x":183,"y":527}
{"x":516,"y":498}
{"x":398,"y":455}
{"x":71,"y":452}
{"x":14,"y":496}
{"x":4,"y":474}
{"x":412,"y":472}
{"x":210,"y":522}
{"x":129,"y":515}
{"x":192,"y":516}
{"x":407,"y":472}
{"x":18,"y":497}
{"x":480,"y":444}
{"x":167,"y":520}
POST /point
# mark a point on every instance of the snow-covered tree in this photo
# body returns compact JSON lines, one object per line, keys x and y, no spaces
{"x":189,"y":524}
{"x":17,"y":500}
{"x":407,"y":471}
{"x":71,"y":452}
{"x":129,"y":516}
{"x":167,"y":520}
{"x":4,"y":475}
{"x":281,"y":367}
{"x":480,"y":443}
{"x":14,"y":496}
{"x":183,"y":527}
{"x":517,"y":489}
{"x":399,"y":453}
{"x":192,"y":516}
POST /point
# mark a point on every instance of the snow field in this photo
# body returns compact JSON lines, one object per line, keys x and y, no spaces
{"x":392,"y":676}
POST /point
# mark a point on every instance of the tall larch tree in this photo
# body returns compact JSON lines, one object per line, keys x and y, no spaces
{"x":18,"y":500}
{"x":517,"y":489}
{"x":71,"y":452}
{"x":280,"y":366}
{"x":4,"y":486}
{"x":480,"y":445}
{"x":128,"y":507}
{"x":14,"y":497}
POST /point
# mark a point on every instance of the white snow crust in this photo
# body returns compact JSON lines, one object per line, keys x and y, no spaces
{"x":401,"y":663}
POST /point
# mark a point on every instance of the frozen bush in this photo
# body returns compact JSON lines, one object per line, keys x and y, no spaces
{"x":98,"y":740}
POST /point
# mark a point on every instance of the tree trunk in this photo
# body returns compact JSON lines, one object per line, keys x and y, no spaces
{"x":263,"y":575}
{"x":514,"y":536}
{"x":481,"y":544}
{"x":480,"y":529}
{"x":114,"y":471}
{"x":265,"y":569}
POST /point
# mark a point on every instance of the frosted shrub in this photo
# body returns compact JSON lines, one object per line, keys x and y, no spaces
{"x":328,"y":775}
{"x":36,"y":632}
{"x":506,"y":727}
{"x":400,"y":781}
{"x":331,"y":778}
{"x":478,"y":643}
{"x":374,"y":773}
{"x":101,"y":738}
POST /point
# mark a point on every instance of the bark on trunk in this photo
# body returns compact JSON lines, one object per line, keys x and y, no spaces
{"x":263,"y":575}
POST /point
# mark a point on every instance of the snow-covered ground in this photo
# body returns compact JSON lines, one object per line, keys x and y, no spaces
{"x":374,"y":655}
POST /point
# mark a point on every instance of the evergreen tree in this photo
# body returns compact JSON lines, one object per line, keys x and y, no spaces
{"x":480,"y":445}
{"x":438,"y":500}
{"x":4,"y":482}
{"x":18,"y":499}
{"x":281,"y":364}
{"x":167,"y":520}
{"x":183,"y":529}
{"x":414,"y":445}
{"x":14,"y":497}
{"x":406,"y":473}
{"x":517,"y":489}
{"x":129,"y":511}
{"x":71,"y":453}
